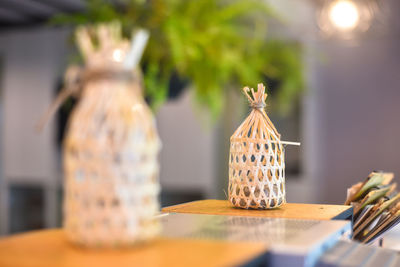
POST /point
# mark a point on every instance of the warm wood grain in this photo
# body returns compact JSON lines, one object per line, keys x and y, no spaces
{"x":288,"y":210}
{"x":50,"y":248}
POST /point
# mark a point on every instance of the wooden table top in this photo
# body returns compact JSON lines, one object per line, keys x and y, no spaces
{"x":288,"y":210}
{"x":49,"y":248}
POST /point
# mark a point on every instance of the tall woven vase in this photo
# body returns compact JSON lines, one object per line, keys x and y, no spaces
{"x":110,"y":152}
{"x":256,"y":160}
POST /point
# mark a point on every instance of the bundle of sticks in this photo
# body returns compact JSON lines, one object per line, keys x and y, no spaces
{"x":376,"y":204}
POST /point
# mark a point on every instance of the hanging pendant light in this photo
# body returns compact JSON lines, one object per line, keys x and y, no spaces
{"x":344,"y":15}
{"x":346,"y":18}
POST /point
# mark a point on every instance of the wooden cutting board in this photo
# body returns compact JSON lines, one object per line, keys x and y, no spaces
{"x":288,"y":210}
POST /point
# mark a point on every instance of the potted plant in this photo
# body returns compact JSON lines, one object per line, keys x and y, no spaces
{"x":213,"y":45}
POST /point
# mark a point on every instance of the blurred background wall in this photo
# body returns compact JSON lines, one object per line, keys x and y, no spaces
{"x":347,"y":121}
{"x":359,"y":106}
{"x":32,"y":62}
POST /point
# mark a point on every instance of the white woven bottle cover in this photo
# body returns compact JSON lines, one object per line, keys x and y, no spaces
{"x":256,"y":160}
{"x":110,"y":155}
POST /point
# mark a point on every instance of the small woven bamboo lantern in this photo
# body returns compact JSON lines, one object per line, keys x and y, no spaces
{"x":110,"y":150}
{"x":256,"y":160}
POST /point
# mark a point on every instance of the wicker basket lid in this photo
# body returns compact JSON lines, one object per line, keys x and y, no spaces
{"x":257,"y":125}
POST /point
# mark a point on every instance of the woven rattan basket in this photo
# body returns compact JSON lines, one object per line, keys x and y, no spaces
{"x":256,"y":160}
{"x":110,"y":152}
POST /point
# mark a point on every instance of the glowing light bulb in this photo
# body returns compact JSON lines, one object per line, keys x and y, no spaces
{"x":117,"y":55}
{"x":344,"y":14}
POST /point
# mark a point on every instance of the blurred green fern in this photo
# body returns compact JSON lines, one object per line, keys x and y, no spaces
{"x":214,"y":44}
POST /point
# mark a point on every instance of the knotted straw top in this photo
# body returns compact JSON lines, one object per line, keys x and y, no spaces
{"x":257,"y":103}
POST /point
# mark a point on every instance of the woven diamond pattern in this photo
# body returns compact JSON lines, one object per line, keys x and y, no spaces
{"x":110,"y":153}
{"x":256,"y":160}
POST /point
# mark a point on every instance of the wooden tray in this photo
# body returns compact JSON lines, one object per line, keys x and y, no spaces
{"x":288,"y":210}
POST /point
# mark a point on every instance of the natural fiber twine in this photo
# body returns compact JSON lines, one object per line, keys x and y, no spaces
{"x":256,"y":160}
